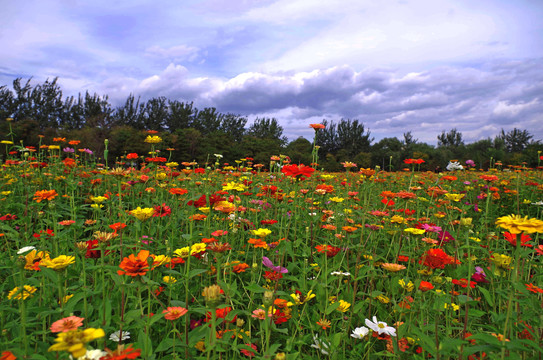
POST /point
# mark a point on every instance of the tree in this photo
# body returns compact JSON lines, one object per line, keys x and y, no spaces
{"x":181,"y":115}
{"x":353,"y":138}
{"x":131,"y":113}
{"x":516,"y":140}
{"x":451,"y":139}
{"x":299,"y":151}
{"x":266,"y":128}
{"x":155,"y":114}
{"x":233,"y":126}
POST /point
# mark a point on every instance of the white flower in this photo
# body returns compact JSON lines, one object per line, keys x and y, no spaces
{"x":539,"y":203}
{"x":218,"y":156}
{"x":320,"y":344}
{"x":380,"y":327}
{"x":115,"y":336}
{"x":339,"y":273}
{"x":92,"y":355}
{"x":25,"y":249}
{"x":360,"y":332}
{"x":454,"y":166}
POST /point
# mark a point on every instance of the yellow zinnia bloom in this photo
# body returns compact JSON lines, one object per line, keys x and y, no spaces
{"x":300,"y":299}
{"x":75,"y":341}
{"x":197,"y":248}
{"x":183,"y":252}
{"x":153,"y":139}
{"x":22,"y":294}
{"x":59,"y":263}
{"x":98,"y":199}
{"x":414,"y":231}
{"x":234,"y":186}
{"x":261,"y":233}
{"x":343,"y":306}
{"x":455,"y":197}
{"x":516,"y":224}
{"x":142,"y":214}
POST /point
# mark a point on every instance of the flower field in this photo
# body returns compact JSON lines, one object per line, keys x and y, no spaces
{"x":226,"y":261}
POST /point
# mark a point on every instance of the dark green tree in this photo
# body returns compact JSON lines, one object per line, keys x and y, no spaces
{"x":516,"y":140}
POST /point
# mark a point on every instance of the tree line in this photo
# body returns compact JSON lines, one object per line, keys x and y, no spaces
{"x":197,"y":134}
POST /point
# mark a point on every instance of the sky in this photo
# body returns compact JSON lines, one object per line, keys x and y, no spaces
{"x":424,"y":66}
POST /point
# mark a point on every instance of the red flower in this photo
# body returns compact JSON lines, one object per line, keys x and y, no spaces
{"x":512,"y":239}
{"x":132,"y":156}
{"x":425,"y":286}
{"x":173,"y":313}
{"x":122,"y":353}
{"x":117,"y":226}
{"x":162,"y":210}
{"x":330,"y":251}
{"x":7,"y":355}
{"x":135,"y":265}
{"x":464,"y":283}
{"x":273,"y":275}
{"x":249,"y":353}
{"x":413,"y":161}
{"x":198,"y":203}
{"x":297,"y":171}
{"x":531,"y":287}
{"x":436,"y":259}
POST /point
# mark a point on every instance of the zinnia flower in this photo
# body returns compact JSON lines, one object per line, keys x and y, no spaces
{"x":59,"y":263}
{"x":173,"y":313}
{"x":135,"y":265}
{"x":41,"y":195}
{"x":436,"y":258}
{"x":69,"y":323}
{"x":516,"y":224}
{"x":143,"y":214}
{"x":122,"y":352}
{"x":22,"y":294}
{"x":75,"y":342}
{"x":297,"y":171}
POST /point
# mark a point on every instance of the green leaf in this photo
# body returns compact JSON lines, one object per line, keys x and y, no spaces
{"x":255,"y":288}
{"x":487,"y":295}
{"x":165,"y":344}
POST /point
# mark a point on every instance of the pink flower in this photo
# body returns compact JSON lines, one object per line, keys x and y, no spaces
{"x":67,"y":324}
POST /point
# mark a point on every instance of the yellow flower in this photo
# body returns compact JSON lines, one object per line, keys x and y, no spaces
{"x":336,"y":199}
{"x":172,"y":164}
{"x":343,"y":306}
{"x":234,"y":186}
{"x":205,"y":210}
{"x":142,"y":214}
{"x":22,"y":294}
{"x":300,"y":299}
{"x":455,"y":197}
{"x":153,"y":139}
{"x":261,"y":233}
{"x":97,"y":206}
{"x":59,"y":263}
{"x":183,"y":252}
{"x":169,"y":279}
{"x":383,"y":299}
{"x":466,"y":221}
{"x":197,"y":248}
{"x":397,"y":219}
{"x":54,"y":147}
{"x":452,"y":305}
{"x":516,"y":224}
{"x":7,"y":142}
{"x":502,"y":261}
{"x":408,"y":287}
{"x":75,"y":341}
{"x":414,"y":231}
{"x":159,"y":260}
{"x":98,"y":199}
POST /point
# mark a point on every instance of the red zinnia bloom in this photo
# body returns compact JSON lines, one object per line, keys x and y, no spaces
{"x":162,"y":210}
{"x":122,"y":353}
{"x":173,"y":313}
{"x":512,"y":238}
{"x":297,"y":171}
{"x":330,"y":251}
{"x":135,"y":265}
{"x":249,"y":353}
{"x":531,"y":287}
{"x":7,"y":355}
{"x":273,"y":275}
{"x":117,"y":226}
{"x":198,"y":203}
{"x":132,"y":156}
{"x":425,"y":286}
{"x":464,"y":283}
{"x":436,"y":259}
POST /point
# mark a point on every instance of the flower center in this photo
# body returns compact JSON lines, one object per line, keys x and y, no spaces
{"x":381,"y":325}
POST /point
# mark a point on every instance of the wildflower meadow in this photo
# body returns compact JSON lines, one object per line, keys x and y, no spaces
{"x":141,"y":257}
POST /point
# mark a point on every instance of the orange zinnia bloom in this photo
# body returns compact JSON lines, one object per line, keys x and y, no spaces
{"x":317,"y":126}
{"x":7,"y":355}
{"x":258,"y":243}
{"x":178,"y":191}
{"x":240,"y":268}
{"x":135,"y":265}
{"x":45,"y":195}
{"x":173,"y":313}
{"x":67,"y":324}
{"x":392,"y":267}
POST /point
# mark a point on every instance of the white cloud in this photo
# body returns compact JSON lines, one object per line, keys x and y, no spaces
{"x":503,"y":108}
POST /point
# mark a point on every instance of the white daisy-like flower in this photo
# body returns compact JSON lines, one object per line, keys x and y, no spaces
{"x":339,"y":273}
{"x":380,"y":326}
{"x":360,"y":332}
{"x":25,"y":249}
{"x":115,"y":336}
{"x":539,"y":203}
{"x":322,"y":345}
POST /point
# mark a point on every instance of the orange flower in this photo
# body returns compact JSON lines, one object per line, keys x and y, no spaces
{"x":197,"y":217}
{"x":41,"y":195}
{"x":349,"y":229}
{"x":317,"y":126}
{"x":531,"y":287}
{"x":240,"y":268}
{"x":7,"y":355}
{"x":122,"y":352}
{"x":392,"y":267}
{"x":173,"y":313}
{"x":258,"y":243}
{"x":135,"y":265}
{"x":178,"y":191}
{"x":67,"y":324}
{"x":74,"y":142}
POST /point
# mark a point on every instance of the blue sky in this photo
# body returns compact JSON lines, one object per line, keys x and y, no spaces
{"x":419,"y":65}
